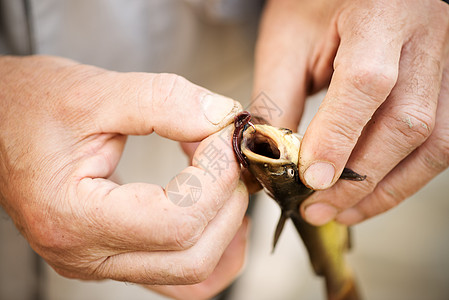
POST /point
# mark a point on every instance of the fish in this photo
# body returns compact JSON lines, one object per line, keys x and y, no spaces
{"x":271,"y":155}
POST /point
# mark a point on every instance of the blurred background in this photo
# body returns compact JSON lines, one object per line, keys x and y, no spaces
{"x":402,"y":254}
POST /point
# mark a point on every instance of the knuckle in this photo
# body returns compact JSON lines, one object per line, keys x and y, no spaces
{"x":358,"y":190}
{"x":349,"y":193}
{"x":367,"y":187}
{"x":437,"y":155}
{"x":344,"y":132}
{"x":372,"y":79}
{"x":165,"y":90}
{"x":164,"y":86}
{"x":50,"y":238}
{"x":387,"y":197}
{"x":188,"y":230}
{"x":198,"y":269}
{"x":413,"y":128}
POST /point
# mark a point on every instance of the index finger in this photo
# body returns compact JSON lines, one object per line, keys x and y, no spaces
{"x":280,"y":71}
{"x":366,"y":70}
{"x":146,"y":217}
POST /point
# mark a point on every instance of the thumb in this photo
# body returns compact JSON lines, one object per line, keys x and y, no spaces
{"x":168,"y":104}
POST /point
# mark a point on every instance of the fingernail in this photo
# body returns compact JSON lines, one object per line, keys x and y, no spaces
{"x":218,"y":109}
{"x":319,"y":175}
{"x":320,"y":213}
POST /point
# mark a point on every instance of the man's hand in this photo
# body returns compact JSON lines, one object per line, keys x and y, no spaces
{"x":63,"y":127}
{"x":386,"y":65}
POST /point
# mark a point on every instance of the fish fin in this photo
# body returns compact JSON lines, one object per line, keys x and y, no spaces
{"x":279,"y":228}
{"x":349,"y":174}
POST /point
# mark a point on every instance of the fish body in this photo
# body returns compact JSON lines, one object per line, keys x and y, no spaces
{"x":272,"y":156}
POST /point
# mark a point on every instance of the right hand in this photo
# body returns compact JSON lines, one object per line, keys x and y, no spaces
{"x":63,"y":127}
{"x":386,"y":67}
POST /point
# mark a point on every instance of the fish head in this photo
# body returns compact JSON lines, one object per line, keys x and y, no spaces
{"x":272,"y":154}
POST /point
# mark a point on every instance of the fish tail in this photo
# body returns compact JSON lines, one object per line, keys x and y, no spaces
{"x":326,"y":246}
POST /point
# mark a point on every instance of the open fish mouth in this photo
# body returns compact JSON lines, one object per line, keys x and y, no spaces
{"x":264,"y":143}
{"x":261,"y":144}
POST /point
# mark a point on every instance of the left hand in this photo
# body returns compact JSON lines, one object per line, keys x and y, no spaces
{"x":63,"y":127}
{"x":386,"y":65}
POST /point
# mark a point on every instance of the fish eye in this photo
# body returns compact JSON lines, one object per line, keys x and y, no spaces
{"x":290,"y":173}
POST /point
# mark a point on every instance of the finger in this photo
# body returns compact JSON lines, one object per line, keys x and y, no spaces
{"x":189,"y":266}
{"x":413,"y":173}
{"x":227,"y":269}
{"x":171,"y":106}
{"x":142,"y":216}
{"x":250,"y":181}
{"x":400,"y":125}
{"x":189,"y":149}
{"x":280,"y":66}
{"x":366,"y":68}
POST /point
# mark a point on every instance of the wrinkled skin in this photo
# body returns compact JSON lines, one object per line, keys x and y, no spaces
{"x":271,"y":155}
{"x":63,"y":127}
{"x":386,"y":67}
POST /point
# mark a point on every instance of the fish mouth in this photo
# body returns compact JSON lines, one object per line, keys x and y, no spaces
{"x":267,"y":144}
{"x":263,"y":145}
